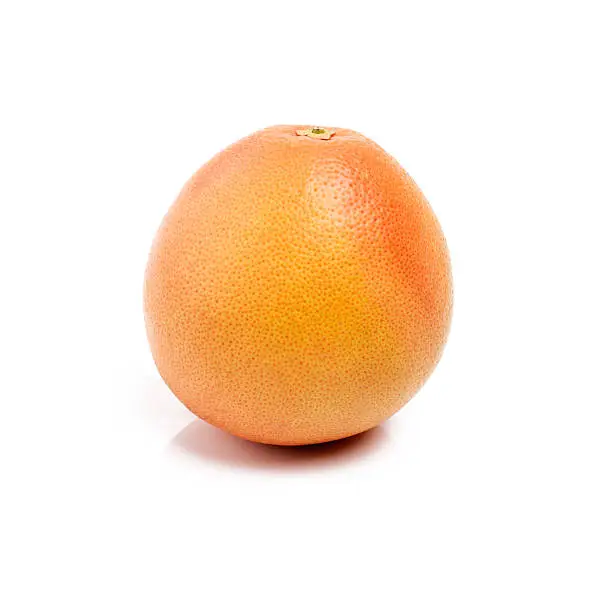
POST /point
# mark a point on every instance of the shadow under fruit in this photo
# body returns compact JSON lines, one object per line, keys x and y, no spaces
{"x":299,"y":289}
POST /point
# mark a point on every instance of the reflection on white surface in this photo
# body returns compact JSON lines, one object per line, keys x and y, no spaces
{"x":206,"y":443}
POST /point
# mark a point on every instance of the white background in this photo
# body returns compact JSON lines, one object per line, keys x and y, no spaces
{"x":486,"y":493}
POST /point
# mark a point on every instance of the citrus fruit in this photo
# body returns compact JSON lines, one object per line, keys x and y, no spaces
{"x":299,"y":288}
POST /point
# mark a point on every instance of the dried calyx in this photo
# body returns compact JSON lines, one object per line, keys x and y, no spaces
{"x":317,"y":132}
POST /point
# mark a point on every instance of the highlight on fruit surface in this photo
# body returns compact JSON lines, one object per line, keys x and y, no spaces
{"x":299,"y":289}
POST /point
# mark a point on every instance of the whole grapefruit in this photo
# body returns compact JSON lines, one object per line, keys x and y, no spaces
{"x":299,"y":289}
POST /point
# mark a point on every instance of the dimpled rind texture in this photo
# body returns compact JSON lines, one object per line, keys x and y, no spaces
{"x":298,"y":290}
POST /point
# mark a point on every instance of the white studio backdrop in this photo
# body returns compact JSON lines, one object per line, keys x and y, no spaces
{"x":485,"y":493}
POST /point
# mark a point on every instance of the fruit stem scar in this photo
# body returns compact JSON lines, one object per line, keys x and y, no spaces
{"x":317,"y":132}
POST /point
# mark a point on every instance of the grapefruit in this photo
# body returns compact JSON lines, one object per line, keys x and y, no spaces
{"x":299,"y":289}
